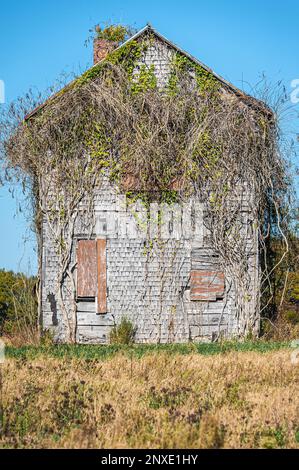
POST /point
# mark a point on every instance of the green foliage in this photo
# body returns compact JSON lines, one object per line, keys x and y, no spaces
{"x":270,"y":438}
{"x":115,"y":32}
{"x":123,"y":333}
{"x":283,"y":310}
{"x":18,"y":302}
{"x":166,"y":196}
{"x":208,"y":152}
{"x":98,"y":144}
{"x":144,"y":80}
{"x":205,"y":80}
{"x":90,"y":74}
{"x":98,"y":352}
{"x":47,"y":339}
{"x":7,"y":285}
{"x":126,"y":56}
{"x":292,"y":316}
{"x":293,"y":287}
{"x":169,"y":196}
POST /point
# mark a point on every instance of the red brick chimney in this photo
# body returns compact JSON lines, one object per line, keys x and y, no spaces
{"x":101,"y":48}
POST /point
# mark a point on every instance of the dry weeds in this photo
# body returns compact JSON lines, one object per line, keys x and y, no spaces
{"x":233,"y":400}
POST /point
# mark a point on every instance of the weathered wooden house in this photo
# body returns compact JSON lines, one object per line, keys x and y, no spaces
{"x":179,"y":295}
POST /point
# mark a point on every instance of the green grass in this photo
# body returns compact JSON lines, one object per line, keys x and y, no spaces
{"x":101,"y":352}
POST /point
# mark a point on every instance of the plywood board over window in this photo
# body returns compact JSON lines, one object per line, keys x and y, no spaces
{"x":207,"y":281}
{"x":91,"y":272}
{"x":207,"y":285}
{"x":86,"y":268}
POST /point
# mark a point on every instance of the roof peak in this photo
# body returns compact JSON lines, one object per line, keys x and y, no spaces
{"x":225,"y":83}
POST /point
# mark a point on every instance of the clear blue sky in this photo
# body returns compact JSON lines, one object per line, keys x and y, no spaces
{"x":39,"y":39}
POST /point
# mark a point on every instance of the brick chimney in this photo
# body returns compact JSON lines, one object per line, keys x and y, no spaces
{"x":101,"y":48}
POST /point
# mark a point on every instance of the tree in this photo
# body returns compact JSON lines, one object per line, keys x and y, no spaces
{"x":18,"y":303}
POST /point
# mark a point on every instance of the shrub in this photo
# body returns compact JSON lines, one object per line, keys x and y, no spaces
{"x":270,"y":438}
{"x":114,"y":32}
{"x":123,"y":333}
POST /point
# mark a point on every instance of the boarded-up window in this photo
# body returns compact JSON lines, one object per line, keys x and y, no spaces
{"x":91,"y":272}
{"x":87,"y":268}
{"x":207,"y":279}
{"x":206,"y":285}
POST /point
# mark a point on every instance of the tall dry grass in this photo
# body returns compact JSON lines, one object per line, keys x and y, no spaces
{"x":235,"y":400}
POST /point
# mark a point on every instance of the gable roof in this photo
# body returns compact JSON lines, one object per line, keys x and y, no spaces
{"x":149,"y":29}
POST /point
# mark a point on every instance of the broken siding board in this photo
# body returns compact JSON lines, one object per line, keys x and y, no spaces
{"x":86,"y":268}
{"x":206,"y":285}
{"x":102,"y":276}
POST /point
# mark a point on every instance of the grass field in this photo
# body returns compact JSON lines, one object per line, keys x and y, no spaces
{"x":240,"y":395}
{"x":139,"y":350}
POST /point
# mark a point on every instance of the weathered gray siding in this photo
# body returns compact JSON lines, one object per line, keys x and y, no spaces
{"x":146,"y":282}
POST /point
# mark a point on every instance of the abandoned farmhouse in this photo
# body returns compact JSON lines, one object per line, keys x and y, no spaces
{"x":156,"y":263}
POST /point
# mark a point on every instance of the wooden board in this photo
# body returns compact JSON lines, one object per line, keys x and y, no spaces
{"x":204,"y":259}
{"x":84,"y":305}
{"x":206,"y":285}
{"x":86,"y":268}
{"x":90,"y":318}
{"x":102,"y":276}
